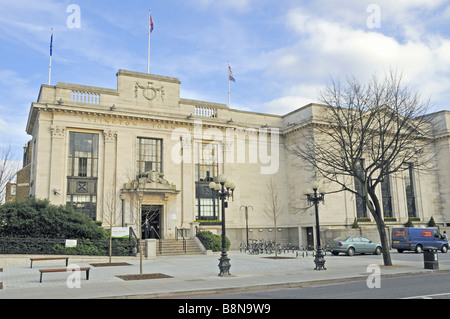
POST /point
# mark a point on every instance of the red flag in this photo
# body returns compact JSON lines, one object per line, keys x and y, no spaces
{"x":151,"y":23}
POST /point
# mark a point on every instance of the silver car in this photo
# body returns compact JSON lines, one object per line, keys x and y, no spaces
{"x":353,"y":244}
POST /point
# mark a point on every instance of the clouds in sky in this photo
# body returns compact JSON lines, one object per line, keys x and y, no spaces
{"x":281,"y":52}
{"x":332,"y":45}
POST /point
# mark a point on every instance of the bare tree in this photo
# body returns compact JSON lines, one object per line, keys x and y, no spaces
{"x":8,"y":169}
{"x":136,"y":194}
{"x":111,"y":210}
{"x":273,"y":209}
{"x":365,"y":132}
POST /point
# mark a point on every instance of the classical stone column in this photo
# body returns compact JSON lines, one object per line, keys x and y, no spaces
{"x":57,"y":167}
{"x":110,"y":199}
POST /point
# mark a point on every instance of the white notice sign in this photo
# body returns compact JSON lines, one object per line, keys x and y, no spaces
{"x":71,"y":243}
{"x":120,"y":232}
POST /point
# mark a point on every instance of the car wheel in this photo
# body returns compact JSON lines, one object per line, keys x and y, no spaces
{"x":400,"y":250}
{"x":444,"y":249}
{"x":377,"y":251}
{"x":419,"y":249}
{"x":335,"y":253}
{"x":351,"y":251}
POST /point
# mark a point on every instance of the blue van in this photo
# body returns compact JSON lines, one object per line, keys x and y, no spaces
{"x":408,"y":238}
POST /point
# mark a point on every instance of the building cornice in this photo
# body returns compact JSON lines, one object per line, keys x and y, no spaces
{"x":137,"y":117}
{"x":147,"y":76}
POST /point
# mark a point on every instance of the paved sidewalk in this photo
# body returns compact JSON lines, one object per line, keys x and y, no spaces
{"x":192,"y":275}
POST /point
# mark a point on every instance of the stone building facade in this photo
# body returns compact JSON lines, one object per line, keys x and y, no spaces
{"x":140,"y":151}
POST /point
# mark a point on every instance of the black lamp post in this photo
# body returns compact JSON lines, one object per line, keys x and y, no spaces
{"x":316,"y":196}
{"x":224,"y":189}
{"x":246,"y":219}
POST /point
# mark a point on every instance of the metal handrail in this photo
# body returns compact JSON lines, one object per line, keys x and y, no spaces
{"x":138,"y":243}
{"x":182,"y":231}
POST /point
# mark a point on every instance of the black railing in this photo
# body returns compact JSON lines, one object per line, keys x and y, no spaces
{"x":133,"y":236}
{"x":47,"y":246}
{"x":159,"y":238}
{"x":183,"y":232}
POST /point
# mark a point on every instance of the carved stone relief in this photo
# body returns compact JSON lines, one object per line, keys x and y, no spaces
{"x":150,"y":92}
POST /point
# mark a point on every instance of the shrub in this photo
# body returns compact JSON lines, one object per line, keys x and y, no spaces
{"x":211,"y":241}
{"x":37,"y":227}
{"x":36,"y":218}
{"x":46,"y":246}
{"x":409,"y":223}
{"x":355,"y":224}
{"x":431,"y":222}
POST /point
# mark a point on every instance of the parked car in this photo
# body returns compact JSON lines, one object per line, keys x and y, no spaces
{"x":416,"y":238}
{"x":353,"y":244}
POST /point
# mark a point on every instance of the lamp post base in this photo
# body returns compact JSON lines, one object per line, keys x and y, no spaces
{"x":224,"y":265}
{"x":319,"y":260}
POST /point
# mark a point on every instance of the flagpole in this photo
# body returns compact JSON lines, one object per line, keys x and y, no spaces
{"x":50,"y":63}
{"x":228,"y":73}
{"x":149,"y":32}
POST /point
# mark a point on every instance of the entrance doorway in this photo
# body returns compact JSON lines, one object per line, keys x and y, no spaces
{"x":152,"y":214}
{"x":309,"y":238}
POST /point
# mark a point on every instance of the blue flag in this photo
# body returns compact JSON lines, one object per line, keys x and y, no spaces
{"x":51,"y":43}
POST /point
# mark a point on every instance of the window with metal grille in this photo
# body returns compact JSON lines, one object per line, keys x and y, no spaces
{"x":408,"y":176}
{"x":83,"y":154}
{"x":149,"y":155}
{"x":82,"y":173}
{"x":206,"y":171}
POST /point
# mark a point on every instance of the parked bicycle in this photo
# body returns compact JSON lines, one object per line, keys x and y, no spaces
{"x":260,"y":246}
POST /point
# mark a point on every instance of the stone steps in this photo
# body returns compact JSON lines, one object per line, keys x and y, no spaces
{"x":170,"y":247}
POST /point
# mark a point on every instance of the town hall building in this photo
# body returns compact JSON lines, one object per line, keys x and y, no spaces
{"x":141,"y":152}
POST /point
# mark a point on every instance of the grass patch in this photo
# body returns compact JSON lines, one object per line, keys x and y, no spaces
{"x":110,"y":264}
{"x":143,"y":276}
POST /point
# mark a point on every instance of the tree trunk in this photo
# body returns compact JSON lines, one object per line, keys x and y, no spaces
{"x":375,"y":210}
{"x":384,"y":243}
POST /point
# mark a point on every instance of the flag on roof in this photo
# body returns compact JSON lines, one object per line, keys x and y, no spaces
{"x":51,"y":43}
{"x":151,"y":23}
{"x":230,"y":75}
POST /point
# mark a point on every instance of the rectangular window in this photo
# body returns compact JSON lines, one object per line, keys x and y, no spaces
{"x":206,"y":171}
{"x":206,"y":164}
{"x":361,"y":208}
{"x":82,"y":166}
{"x":386,"y":197}
{"x":83,"y":154}
{"x":82,"y":173}
{"x":408,"y":176}
{"x":207,"y":208}
{"x":87,"y":205}
{"x":149,"y":155}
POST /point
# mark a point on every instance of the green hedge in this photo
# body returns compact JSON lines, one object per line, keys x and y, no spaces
{"x":46,"y":246}
{"x":36,"y":218}
{"x":38,"y":227}
{"x":211,"y":241}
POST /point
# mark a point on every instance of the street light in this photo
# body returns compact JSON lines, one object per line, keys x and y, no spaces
{"x":223,"y":190}
{"x":122,"y":198}
{"x":246,"y":218}
{"x":315,"y":196}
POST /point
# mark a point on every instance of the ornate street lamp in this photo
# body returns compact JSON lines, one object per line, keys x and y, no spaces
{"x":246,"y":219}
{"x":315,"y":196}
{"x":223,"y":190}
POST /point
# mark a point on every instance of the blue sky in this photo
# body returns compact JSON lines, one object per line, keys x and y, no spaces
{"x":281,"y":52}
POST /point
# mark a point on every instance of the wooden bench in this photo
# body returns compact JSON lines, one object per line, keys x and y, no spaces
{"x":48,"y":258}
{"x":86,"y":269}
